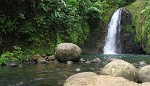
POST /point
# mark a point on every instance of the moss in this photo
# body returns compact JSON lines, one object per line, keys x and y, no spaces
{"x":142,"y":34}
{"x":135,"y":9}
{"x":108,"y":14}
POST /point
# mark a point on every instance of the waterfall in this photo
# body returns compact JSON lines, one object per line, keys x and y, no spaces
{"x":111,"y":41}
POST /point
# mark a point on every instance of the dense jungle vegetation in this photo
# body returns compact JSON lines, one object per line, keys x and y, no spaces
{"x":38,"y":26}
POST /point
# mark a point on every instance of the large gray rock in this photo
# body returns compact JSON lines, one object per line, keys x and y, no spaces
{"x":68,"y":52}
{"x":120,"y":68}
{"x":101,"y":80}
{"x":144,"y":74}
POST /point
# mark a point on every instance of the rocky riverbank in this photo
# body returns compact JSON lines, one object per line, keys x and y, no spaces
{"x":115,"y":73}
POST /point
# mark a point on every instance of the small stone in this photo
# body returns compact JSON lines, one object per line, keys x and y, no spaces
{"x":142,"y":63}
{"x":82,"y":60}
{"x":12,"y":64}
{"x":87,"y":62}
{"x":20,"y":65}
{"x":51,"y":58}
{"x":56,"y":61}
{"x":43,"y":55}
{"x":78,"y":70}
{"x":69,"y":62}
{"x":96,"y":60}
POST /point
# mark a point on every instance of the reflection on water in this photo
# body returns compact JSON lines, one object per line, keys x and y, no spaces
{"x":52,"y":74}
{"x":42,"y":74}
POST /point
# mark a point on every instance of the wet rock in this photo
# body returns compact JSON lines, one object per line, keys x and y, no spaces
{"x":68,"y":52}
{"x":96,"y":60}
{"x":12,"y":64}
{"x":38,"y":59}
{"x":126,"y":36}
{"x":88,"y":62}
{"x":44,"y":55}
{"x":69,"y":62}
{"x":51,"y":58}
{"x":144,"y":74}
{"x":82,"y":60}
{"x":78,"y":70}
{"x":56,"y":61}
{"x":121,"y":68}
{"x":142,"y":63}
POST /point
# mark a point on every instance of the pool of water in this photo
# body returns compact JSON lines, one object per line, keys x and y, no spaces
{"x":54,"y":74}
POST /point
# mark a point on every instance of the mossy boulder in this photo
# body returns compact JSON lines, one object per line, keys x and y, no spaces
{"x":68,"y":52}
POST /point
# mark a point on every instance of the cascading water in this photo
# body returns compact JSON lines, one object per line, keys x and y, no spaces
{"x":113,"y":29}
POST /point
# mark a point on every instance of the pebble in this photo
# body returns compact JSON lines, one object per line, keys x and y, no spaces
{"x":69,"y":62}
{"x":78,"y":70}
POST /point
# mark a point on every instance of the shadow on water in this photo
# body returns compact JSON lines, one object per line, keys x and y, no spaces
{"x":52,"y":74}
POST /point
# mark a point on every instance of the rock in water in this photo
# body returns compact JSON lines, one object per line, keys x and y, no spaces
{"x":38,"y":59}
{"x":121,"y":68}
{"x":96,"y":60}
{"x":68,"y":52}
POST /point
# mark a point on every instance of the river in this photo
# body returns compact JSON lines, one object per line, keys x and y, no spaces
{"x":55,"y":74}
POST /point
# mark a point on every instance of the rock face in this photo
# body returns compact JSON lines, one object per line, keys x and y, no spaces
{"x":68,"y":52}
{"x":144,"y":74}
{"x":120,"y":68}
{"x":101,"y":80}
{"x":126,"y":36}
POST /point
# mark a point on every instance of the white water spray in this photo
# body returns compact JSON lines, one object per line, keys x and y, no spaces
{"x":114,"y":25}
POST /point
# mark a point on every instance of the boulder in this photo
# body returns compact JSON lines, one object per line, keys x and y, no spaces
{"x":121,"y":68}
{"x":101,"y":80}
{"x":81,"y":75}
{"x":104,"y":80}
{"x":144,"y":74}
{"x":68,"y":52}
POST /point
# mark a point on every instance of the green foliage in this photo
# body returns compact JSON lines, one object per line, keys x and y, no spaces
{"x":38,"y":24}
{"x":141,"y":19}
{"x":49,"y":22}
{"x":146,"y":26}
{"x":16,"y":55}
{"x":5,"y":57}
{"x":119,"y":3}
